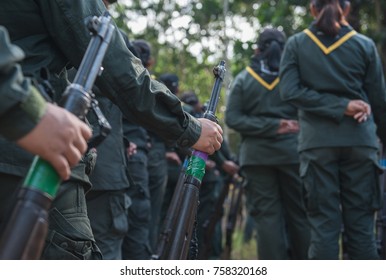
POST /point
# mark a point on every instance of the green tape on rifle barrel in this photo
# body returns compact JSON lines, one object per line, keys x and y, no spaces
{"x":196,"y":167}
{"x":43,"y":177}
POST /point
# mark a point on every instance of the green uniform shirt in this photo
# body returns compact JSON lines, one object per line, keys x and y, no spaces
{"x":109,"y":172}
{"x":136,"y":134}
{"x":320,"y":76}
{"x":21,"y":106}
{"x":254,"y":109}
{"x":53,"y":35}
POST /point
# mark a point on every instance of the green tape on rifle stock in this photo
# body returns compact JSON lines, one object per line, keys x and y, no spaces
{"x":196,"y":167}
{"x":42,"y":177}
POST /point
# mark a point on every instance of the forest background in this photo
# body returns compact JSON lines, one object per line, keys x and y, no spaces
{"x":190,"y":37}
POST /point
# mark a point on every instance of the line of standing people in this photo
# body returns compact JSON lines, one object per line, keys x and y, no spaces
{"x":332,"y":76}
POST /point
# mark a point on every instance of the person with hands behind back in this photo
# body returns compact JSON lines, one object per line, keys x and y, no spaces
{"x":334,"y":76}
{"x":268,"y":157}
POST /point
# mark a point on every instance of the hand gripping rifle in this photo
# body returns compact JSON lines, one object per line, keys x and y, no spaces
{"x":186,"y":213}
{"x":24,"y":234}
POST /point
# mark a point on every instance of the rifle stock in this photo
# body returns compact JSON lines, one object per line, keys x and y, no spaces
{"x":24,"y":234}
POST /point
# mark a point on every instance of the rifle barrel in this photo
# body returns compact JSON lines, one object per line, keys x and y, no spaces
{"x":184,"y":225}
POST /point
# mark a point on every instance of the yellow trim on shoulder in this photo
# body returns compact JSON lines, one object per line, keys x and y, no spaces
{"x":334,"y":46}
{"x":261,"y":81}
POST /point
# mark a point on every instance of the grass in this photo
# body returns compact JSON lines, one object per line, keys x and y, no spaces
{"x":240,"y":249}
{"x":243,"y":250}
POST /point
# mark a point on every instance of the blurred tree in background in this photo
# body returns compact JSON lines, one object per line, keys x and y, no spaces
{"x":190,"y":37}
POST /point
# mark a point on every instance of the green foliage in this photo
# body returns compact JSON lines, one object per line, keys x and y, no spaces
{"x":171,"y":43}
{"x":291,"y":17}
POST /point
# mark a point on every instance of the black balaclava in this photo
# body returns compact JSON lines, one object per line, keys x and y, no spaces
{"x":271,"y":43}
{"x":143,"y":50}
{"x":189,"y":98}
{"x":171,"y":82}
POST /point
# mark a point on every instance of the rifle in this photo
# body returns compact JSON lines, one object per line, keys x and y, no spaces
{"x":234,"y":208}
{"x":167,"y":230}
{"x":381,"y":214}
{"x":24,"y":234}
{"x":185,"y":214}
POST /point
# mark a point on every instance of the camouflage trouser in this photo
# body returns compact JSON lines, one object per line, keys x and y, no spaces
{"x":69,"y":234}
